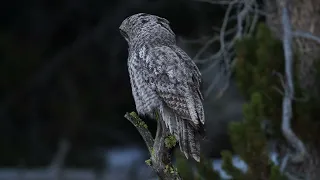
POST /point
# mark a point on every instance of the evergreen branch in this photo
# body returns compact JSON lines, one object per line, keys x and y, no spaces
{"x":289,"y":90}
{"x":160,"y":160}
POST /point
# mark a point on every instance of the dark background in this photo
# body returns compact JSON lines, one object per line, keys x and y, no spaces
{"x":64,"y":75}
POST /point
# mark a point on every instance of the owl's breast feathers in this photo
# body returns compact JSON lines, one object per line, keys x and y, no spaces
{"x":176,"y":79}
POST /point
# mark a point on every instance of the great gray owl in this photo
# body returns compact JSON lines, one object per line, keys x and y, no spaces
{"x":164,"y":79}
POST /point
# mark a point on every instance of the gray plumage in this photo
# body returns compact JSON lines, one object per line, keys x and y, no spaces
{"x":164,"y":79}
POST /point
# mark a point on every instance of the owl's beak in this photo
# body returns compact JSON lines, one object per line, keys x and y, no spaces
{"x":124,"y":34}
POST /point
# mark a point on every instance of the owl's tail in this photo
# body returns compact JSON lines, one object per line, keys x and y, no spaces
{"x":187,"y":135}
{"x":189,"y":139}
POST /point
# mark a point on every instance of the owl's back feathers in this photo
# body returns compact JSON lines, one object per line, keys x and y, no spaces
{"x":176,"y":81}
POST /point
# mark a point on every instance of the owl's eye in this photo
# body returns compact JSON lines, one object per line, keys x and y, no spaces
{"x":144,"y":21}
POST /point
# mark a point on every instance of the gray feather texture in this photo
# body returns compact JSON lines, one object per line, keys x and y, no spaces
{"x":164,"y":79}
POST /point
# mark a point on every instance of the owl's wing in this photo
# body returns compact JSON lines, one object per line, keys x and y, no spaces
{"x":196,"y":74}
{"x":176,"y":82}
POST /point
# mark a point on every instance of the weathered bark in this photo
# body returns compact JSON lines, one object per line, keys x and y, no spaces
{"x":160,"y":160}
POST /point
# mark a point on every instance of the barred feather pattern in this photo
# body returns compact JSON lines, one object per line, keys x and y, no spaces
{"x":164,"y":79}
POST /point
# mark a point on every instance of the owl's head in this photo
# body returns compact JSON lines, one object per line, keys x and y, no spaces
{"x":142,"y":24}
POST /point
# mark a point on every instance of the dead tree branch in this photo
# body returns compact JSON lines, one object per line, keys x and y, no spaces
{"x":245,"y":21}
{"x":160,"y":160}
{"x":306,"y":35}
{"x":56,"y":166}
{"x":288,"y":133}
